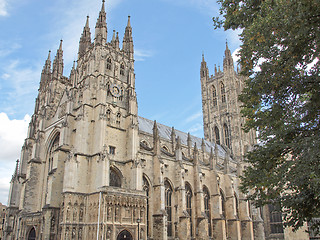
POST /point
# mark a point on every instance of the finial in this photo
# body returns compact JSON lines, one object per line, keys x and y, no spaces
{"x":102,"y":7}
{"x":129,"y":24}
{"x":202,"y":56}
{"x":49,"y":55}
{"x":74,"y":64}
{"x":87,"y":22}
{"x":114,"y":35}
{"x":60,"y":47}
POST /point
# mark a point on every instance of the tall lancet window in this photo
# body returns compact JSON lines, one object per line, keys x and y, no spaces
{"x":206,"y":197}
{"x":189,"y":205}
{"x":53,"y":147}
{"x":214,"y":96}
{"x":168,"y":196}
{"x":223,"y":92}
{"x":109,"y":63}
{"x":122,"y":69}
{"x":146,"y":188}
{"x":217,"y":135}
{"x":226,"y":135}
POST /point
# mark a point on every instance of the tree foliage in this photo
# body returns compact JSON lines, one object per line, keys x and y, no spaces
{"x":279,"y":55}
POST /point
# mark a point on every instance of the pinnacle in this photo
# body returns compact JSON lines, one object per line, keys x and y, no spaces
{"x":87,"y":22}
{"x":49,"y":55}
{"x":129,"y":24}
{"x":60,"y":47}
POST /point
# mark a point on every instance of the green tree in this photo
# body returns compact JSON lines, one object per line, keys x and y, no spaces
{"x":279,"y":55}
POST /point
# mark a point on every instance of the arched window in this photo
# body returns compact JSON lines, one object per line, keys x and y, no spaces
{"x":275,"y":219}
{"x":115,"y":179}
{"x":108,"y":115}
{"x":226,"y":135}
{"x":165,"y":148}
{"x":223,"y":204}
{"x":118,"y":119}
{"x":32,"y":234}
{"x":109,"y":63}
{"x":217,"y":135}
{"x":168,"y":204}
{"x":223,"y":92}
{"x":189,"y":205}
{"x":122,"y":69}
{"x":146,"y":188}
{"x":206,"y":197}
{"x":214,"y":96}
{"x":53,"y":147}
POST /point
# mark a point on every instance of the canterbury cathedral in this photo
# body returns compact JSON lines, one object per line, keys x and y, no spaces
{"x":92,"y":168}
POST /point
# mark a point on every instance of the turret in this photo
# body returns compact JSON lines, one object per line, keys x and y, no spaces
{"x":57,"y":67}
{"x":204,"y":72}
{"x":85,"y":40}
{"x":227,"y":61}
{"x":46,"y":72}
{"x":127,"y":44}
{"x":101,"y":27}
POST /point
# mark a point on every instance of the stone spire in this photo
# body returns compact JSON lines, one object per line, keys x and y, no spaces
{"x":127,"y":44}
{"x":73,"y":73}
{"x":101,"y":27}
{"x":16,"y":171}
{"x":46,"y":72}
{"x":227,"y":61}
{"x":85,"y":39}
{"x":57,"y":67}
{"x":204,"y":72}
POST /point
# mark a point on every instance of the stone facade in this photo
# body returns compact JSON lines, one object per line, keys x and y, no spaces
{"x":92,"y":168}
{"x":2,"y":219}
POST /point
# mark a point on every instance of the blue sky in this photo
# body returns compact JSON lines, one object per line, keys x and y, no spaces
{"x":169,"y":39}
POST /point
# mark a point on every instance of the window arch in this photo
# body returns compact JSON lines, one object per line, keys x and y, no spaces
{"x":118,"y":119}
{"x":115,"y":177}
{"x":122,"y":69}
{"x":223,"y":92}
{"x":146,"y":188}
{"x":32,"y":234}
{"x":165,"y":148}
{"x":168,"y":206}
{"x":189,"y":205}
{"x":226,"y":135}
{"x":53,"y":146}
{"x":108,"y":115}
{"x":217,"y":135}
{"x":275,"y":216}
{"x":214,"y":96}
{"x":109,"y":62}
{"x":206,"y":197}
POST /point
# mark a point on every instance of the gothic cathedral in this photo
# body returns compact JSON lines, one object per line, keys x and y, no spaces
{"x":91,"y":168}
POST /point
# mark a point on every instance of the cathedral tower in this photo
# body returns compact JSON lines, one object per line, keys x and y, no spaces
{"x":221,"y":108}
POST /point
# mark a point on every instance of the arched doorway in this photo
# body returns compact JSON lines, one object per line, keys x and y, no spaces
{"x":32,"y":234}
{"x":124,"y":235}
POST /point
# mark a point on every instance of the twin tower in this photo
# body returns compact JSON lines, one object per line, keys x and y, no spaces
{"x":91,"y":168}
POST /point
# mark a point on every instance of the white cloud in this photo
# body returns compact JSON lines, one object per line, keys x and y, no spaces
{"x":3,"y":8}
{"x":141,"y":55}
{"x":12,"y":134}
{"x":234,"y":38}
{"x":7,"y":47}
{"x":194,"y":117}
{"x":22,"y":83}
{"x":196,"y":130}
{"x":235,"y":56}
